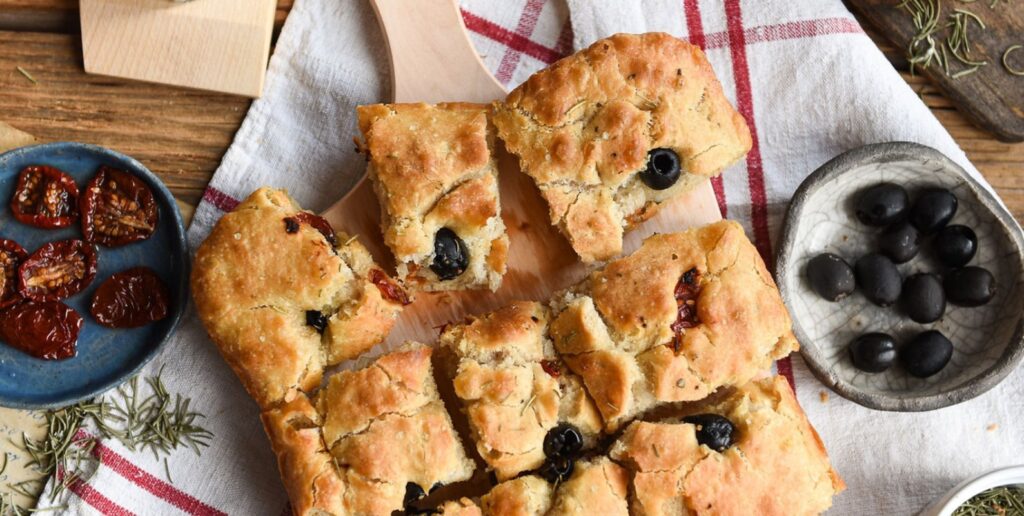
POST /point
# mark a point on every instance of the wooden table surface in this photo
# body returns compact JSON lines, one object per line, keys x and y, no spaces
{"x":181,"y":134}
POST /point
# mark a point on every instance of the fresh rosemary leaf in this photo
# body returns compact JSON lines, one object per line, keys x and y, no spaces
{"x":1006,"y":60}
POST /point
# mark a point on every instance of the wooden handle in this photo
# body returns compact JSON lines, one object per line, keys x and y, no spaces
{"x":432,"y":59}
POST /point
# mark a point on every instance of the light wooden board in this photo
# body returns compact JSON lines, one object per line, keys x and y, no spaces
{"x":218,"y":45}
{"x":434,"y":61}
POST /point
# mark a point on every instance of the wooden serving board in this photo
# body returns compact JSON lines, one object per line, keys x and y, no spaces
{"x":217,"y":45}
{"x":434,"y":61}
{"x":991,"y":97}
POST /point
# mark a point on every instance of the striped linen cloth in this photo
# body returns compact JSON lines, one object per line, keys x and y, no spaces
{"x":802,"y":72}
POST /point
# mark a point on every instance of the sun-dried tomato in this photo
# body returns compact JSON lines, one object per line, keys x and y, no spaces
{"x":130,"y":298}
{"x":11,"y":256}
{"x":686,"y":293}
{"x":388,"y":290}
{"x":45,"y":197}
{"x":57,"y":270}
{"x":291,"y":225}
{"x":551,"y":367}
{"x":47,"y":330}
{"x":117,"y":209}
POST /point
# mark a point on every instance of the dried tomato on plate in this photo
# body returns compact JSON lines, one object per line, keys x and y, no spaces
{"x":130,"y":298}
{"x":47,"y":330}
{"x":57,"y":270}
{"x":117,"y":209}
{"x":11,"y":256}
{"x":45,"y":197}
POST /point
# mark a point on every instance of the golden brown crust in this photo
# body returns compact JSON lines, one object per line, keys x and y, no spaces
{"x":460,"y":507}
{"x":309,"y":477}
{"x":597,"y":486}
{"x":253,"y":299}
{"x":432,"y":167}
{"x":513,"y":388}
{"x":622,"y":332}
{"x":582,"y":129}
{"x":774,"y":446}
{"x":524,"y":496}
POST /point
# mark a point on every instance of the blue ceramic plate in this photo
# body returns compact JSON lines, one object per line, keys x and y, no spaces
{"x":106,"y":356}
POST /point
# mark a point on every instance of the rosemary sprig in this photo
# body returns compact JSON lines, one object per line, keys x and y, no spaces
{"x":923,"y":49}
{"x":30,"y":78}
{"x":156,"y":420}
{"x":1006,"y":60}
{"x":999,"y":501}
{"x":958,"y":41}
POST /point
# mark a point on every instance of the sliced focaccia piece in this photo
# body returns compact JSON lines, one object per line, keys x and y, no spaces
{"x":282,"y":295}
{"x":613,"y":131}
{"x":387,"y":430}
{"x":752,"y":453}
{"x":516,"y":393}
{"x":596,"y":486}
{"x":685,"y":314}
{"x":433,"y":169}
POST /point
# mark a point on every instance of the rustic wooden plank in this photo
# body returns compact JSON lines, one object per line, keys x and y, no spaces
{"x":991,"y":96}
{"x":179,"y":134}
{"x":62,"y":15}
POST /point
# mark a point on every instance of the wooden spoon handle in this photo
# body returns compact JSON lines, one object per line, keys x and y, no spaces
{"x":432,"y":59}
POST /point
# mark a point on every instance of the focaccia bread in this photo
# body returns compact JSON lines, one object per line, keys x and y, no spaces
{"x":597,"y":486}
{"x":613,"y":131}
{"x":685,"y":314}
{"x":283,"y":296}
{"x":772,"y":462}
{"x":433,"y":169}
{"x":378,"y":439}
{"x":514,"y":389}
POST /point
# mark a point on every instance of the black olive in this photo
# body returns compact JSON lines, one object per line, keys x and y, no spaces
{"x":873,"y":352}
{"x":878,"y":279}
{"x":450,"y":255}
{"x":317,"y":320}
{"x":900,"y":242}
{"x":413,"y":492}
{"x":662,"y":169}
{"x":291,"y":225}
{"x":557,"y":469}
{"x":933,"y":209}
{"x":436,"y":486}
{"x":713,"y":431}
{"x":830,"y":276}
{"x":922,"y":298}
{"x":955,"y":245}
{"x":926,"y":354}
{"x":970,"y":286}
{"x":563,"y":441}
{"x":882,"y":204}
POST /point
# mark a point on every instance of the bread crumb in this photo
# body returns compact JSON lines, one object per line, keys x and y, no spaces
{"x":823,"y":396}
{"x":992,"y":427}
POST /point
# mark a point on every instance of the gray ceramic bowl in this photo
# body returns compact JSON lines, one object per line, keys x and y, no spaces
{"x":988,"y":340}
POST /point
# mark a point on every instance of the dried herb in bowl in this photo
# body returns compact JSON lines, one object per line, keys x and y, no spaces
{"x":998,"y":501}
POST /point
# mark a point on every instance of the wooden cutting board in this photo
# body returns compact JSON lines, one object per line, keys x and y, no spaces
{"x":991,"y":97}
{"x":217,"y":45}
{"x":434,"y":61}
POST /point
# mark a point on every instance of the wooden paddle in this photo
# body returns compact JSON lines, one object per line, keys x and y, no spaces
{"x":433,"y":61}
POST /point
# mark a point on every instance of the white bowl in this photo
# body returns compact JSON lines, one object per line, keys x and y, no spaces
{"x":1013,"y":475}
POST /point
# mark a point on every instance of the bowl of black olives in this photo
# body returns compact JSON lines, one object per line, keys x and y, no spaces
{"x":905,"y":279}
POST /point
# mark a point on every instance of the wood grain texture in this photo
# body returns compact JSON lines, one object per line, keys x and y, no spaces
{"x":992,"y":97}
{"x":180,"y":134}
{"x":216,"y":45}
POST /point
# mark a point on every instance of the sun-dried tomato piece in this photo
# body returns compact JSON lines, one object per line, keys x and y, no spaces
{"x":45,"y":197}
{"x":686,"y":293}
{"x":388,"y":289}
{"x":130,"y":298}
{"x":551,"y":367}
{"x":57,"y":270}
{"x":117,"y":209}
{"x":291,"y":225}
{"x":11,"y":256}
{"x":46,"y":330}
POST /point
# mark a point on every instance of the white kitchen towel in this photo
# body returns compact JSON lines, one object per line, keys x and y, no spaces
{"x":808,"y":80}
